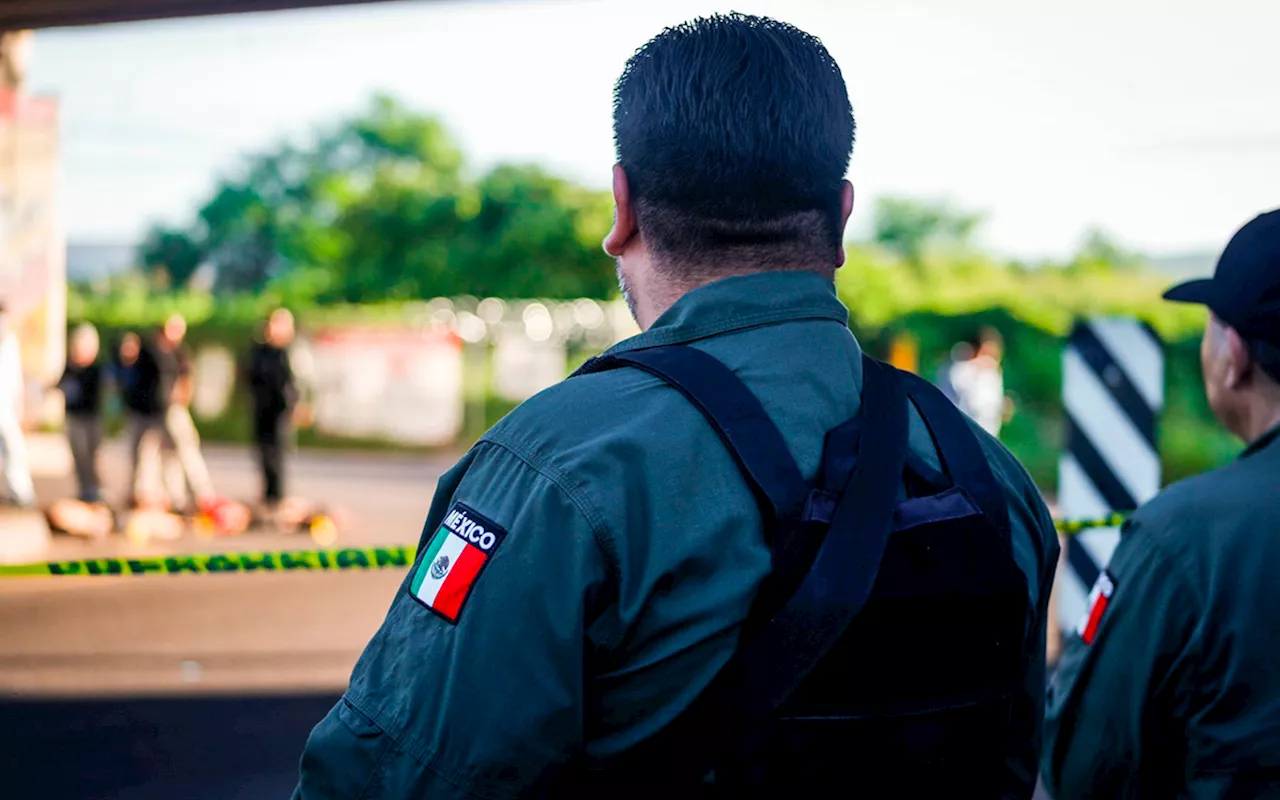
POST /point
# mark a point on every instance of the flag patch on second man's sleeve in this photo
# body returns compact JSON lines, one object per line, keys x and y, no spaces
{"x":453,"y":559}
{"x":1099,"y":599}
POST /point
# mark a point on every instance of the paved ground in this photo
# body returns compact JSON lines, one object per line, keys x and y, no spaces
{"x":214,"y":633}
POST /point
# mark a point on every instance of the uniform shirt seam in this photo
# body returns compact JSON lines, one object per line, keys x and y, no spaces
{"x":534,"y":460}
{"x":691,"y":333}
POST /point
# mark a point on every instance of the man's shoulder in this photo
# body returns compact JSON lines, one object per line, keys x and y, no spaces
{"x":1179,"y":516}
{"x":1007,"y":470}
{"x":589,"y":412}
{"x":1035,"y":537}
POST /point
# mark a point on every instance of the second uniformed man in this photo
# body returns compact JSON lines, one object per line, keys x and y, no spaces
{"x":586,"y":570}
{"x":1170,"y":687}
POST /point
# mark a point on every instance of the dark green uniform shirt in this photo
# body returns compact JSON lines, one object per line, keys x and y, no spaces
{"x":1178,"y":695}
{"x":625,"y":554}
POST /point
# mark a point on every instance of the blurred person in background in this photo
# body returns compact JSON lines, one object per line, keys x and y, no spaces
{"x":19,"y":489}
{"x":184,"y":465}
{"x":960,"y":353}
{"x":1170,"y":684}
{"x":119,"y":373}
{"x":81,"y":386}
{"x":124,"y":366}
{"x":977,"y":382}
{"x":159,"y":425}
{"x":274,"y":392}
{"x":139,"y":380}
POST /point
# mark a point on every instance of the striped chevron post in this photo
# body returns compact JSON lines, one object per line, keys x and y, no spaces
{"x":1113,"y":393}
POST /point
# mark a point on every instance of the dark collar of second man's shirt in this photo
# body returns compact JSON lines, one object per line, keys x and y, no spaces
{"x":740,"y":302}
{"x":1262,"y":442}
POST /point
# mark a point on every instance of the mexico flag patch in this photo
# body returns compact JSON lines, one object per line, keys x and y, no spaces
{"x":452,"y":561}
{"x":1099,"y":598}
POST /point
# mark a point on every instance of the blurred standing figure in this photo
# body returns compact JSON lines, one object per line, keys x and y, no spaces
{"x":978,"y":382}
{"x":124,"y":367}
{"x":13,"y":447}
{"x":139,"y":380}
{"x":960,"y":353}
{"x":186,"y":468}
{"x":155,"y":381}
{"x":81,"y":387}
{"x":275,"y":396}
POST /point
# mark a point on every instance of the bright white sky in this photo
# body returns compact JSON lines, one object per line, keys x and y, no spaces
{"x":1158,"y":120}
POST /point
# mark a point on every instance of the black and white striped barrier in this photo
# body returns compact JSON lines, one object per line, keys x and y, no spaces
{"x":1113,"y":393}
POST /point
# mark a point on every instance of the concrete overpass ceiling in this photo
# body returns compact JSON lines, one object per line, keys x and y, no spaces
{"x":33,"y":14}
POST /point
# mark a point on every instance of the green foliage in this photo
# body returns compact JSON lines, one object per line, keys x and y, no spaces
{"x":380,"y":207}
{"x":1100,"y":253}
{"x":909,"y":227}
{"x":173,"y":253}
{"x":880,"y":288}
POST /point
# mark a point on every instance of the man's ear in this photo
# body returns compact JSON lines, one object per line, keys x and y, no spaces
{"x":624,"y":216}
{"x":846,"y":208}
{"x":1238,"y":358}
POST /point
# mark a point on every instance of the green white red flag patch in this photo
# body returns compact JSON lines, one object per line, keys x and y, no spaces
{"x":453,"y":559}
{"x":1099,"y":599}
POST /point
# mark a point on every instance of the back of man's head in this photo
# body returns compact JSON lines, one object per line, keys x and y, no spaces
{"x":735,"y":133}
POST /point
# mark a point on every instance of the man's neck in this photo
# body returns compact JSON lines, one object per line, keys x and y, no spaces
{"x":656,"y":302}
{"x":664,"y":295}
{"x":1259,"y":419}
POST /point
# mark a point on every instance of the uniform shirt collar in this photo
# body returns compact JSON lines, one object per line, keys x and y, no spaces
{"x":740,"y":302}
{"x":1262,"y":442}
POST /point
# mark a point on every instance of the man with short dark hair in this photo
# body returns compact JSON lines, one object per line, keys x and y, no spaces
{"x":1170,"y":685}
{"x":590,"y":570}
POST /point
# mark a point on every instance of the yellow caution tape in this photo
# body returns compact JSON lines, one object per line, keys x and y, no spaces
{"x":1074,"y":526}
{"x":348,"y":558}
{"x":328,"y":559}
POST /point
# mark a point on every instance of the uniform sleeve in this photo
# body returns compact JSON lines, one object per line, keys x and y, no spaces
{"x":1027,"y":715}
{"x":474,"y":684}
{"x":1108,"y":702}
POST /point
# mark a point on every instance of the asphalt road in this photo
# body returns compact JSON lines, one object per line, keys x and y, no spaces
{"x":131,"y":636}
{"x":190,"y":687}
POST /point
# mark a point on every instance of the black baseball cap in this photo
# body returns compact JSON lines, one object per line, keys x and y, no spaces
{"x":1244,"y":291}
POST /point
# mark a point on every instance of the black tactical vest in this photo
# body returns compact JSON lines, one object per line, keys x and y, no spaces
{"x":882,"y":655}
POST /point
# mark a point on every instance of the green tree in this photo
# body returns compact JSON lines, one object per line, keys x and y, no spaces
{"x":382,"y":203}
{"x":537,"y":235}
{"x":173,"y":252}
{"x":909,"y":227}
{"x":1099,"y":252}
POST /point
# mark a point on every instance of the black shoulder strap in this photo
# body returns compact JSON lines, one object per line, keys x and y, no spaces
{"x":775,"y":662}
{"x":735,"y":413}
{"x":960,"y":451}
